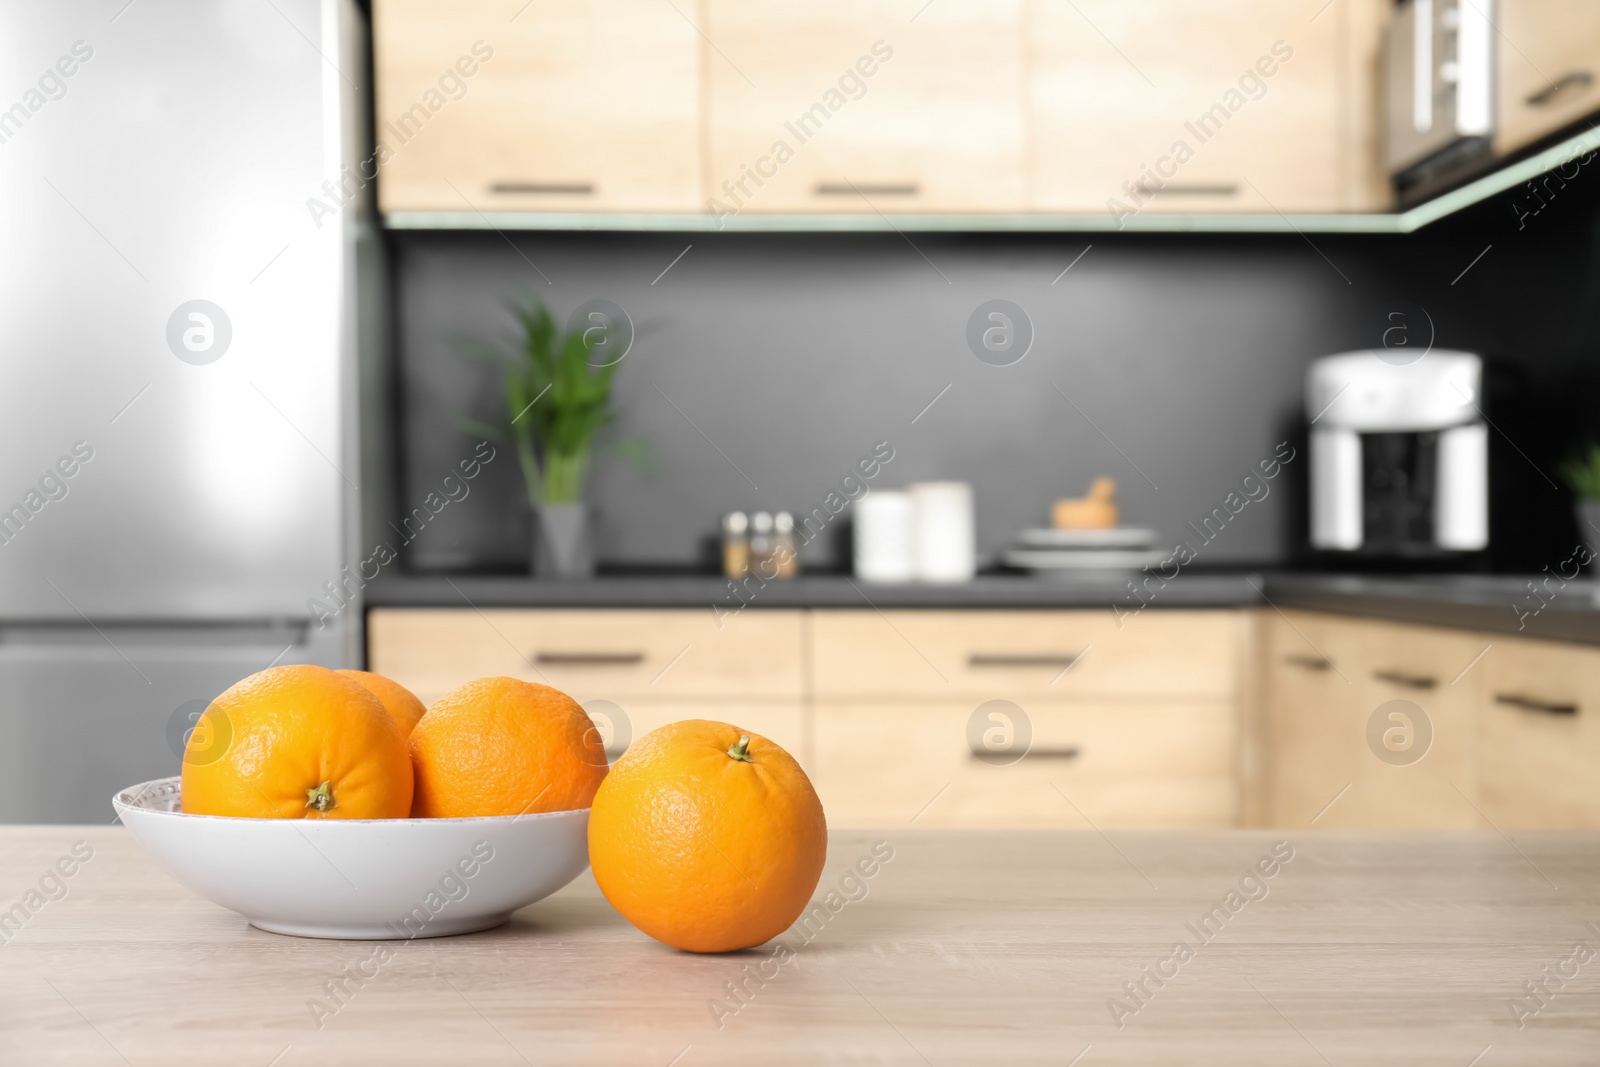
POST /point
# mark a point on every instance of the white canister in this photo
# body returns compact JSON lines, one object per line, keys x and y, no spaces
{"x":883,"y":537}
{"x":942,"y":531}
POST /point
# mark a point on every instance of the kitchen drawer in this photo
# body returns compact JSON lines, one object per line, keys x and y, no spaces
{"x":780,"y":722}
{"x":1125,"y":765}
{"x":1040,"y":654}
{"x":1539,"y":743}
{"x":1551,"y":77}
{"x":592,"y":654}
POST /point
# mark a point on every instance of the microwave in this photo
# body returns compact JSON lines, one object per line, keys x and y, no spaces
{"x":1439,"y":61}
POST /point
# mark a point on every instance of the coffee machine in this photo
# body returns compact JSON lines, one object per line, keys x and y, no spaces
{"x":1399,"y":455}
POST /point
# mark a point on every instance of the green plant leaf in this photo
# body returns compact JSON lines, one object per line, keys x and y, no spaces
{"x":1582,"y":474}
{"x":556,"y":402}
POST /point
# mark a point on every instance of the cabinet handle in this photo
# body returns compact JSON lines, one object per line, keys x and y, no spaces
{"x":545,"y":188}
{"x":1062,"y":752}
{"x":1572,"y":79}
{"x":1309,"y":663}
{"x":1192,"y":189}
{"x":863,"y":188}
{"x":589,"y":659}
{"x":1406,"y":681}
{"x":1023,"y":659}
{"x":1512,"y":700}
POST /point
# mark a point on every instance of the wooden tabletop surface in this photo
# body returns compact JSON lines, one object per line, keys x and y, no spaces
{"x":1010,"y":948}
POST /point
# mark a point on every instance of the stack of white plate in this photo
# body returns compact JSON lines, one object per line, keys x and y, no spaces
{"x":1046,"y":551}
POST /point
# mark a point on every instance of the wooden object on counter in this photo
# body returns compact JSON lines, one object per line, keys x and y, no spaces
{"x":1095,"y":511}
{"x":958,"y":948}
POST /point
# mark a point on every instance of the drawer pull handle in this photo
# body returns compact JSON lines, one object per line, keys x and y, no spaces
{"x":1191,"y":189}
{"x":1406,"y":681}
{"x":1023,"y":659}
{"x":544,"y":188}
{"x":1572,"y":79}
{"x":864,"y":188}
{"x":589,"y":659}
{"x":1309,"y":663}
{"x":1512,"y":700}
{"x":1032,"y":752}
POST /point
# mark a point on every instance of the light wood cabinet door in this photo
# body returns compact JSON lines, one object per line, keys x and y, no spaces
{"x":1248,"y":105}
{"x":592,"y":654}
{"x":965,"y":764}
{"x":864,"y":105}
{"x":571,"y":105}
{"x":1540,"y":740}
{"x":1420,"y":693}
{"x":1059,"y":655}
{"x":1549,"y":68}
{"x":1312,"y":719}
{"x":1383,"y":716}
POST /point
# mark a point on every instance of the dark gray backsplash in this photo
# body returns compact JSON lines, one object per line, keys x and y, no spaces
{"x":765,"y":366}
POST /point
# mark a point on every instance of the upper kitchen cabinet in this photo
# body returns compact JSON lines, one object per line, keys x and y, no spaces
{"x":1549,"y":68}
{"x":864,"y":106}
{"x":557,"y":106}
{"x":1254,"y":106}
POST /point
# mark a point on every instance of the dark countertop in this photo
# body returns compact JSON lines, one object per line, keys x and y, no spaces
{"x":808,"y":591}
{"x":1559,"y":611}
{"x":1568,"y":611}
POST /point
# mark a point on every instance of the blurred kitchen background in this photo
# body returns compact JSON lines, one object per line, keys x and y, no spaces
{"x":255,"y":251}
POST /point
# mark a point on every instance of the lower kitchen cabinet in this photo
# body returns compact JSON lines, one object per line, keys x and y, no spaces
{"x":617,"y":654}
{"x":1310,"y":718}
{"x":1088,"y":654}
{"x":966,"y":764}
{"x":1000,"y":719}
{"x":632,"y":670}
{"x":1130,"y":723}
{"x":1419,"y":700}
{"x":1426,"y":728}
{"x":1540,"y":735}
{"x":1370,"y":724}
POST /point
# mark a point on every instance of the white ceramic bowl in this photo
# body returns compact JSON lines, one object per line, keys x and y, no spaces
{"x":360,"y":878}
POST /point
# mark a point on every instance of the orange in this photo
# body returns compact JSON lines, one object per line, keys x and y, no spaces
{"x":500,"y":746}
{"x":297,"y":742}
{"x":401,"y":704}
{"x":707,"y":837}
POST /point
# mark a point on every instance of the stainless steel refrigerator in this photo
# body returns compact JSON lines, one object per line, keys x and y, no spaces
{"x":179,"y":337}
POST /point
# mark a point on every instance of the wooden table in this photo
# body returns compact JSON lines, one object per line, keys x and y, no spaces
{"x":1008,"y":948}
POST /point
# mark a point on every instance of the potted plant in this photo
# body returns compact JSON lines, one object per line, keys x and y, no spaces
{"x":558,"y":397}
{"x":1582,"y":475}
